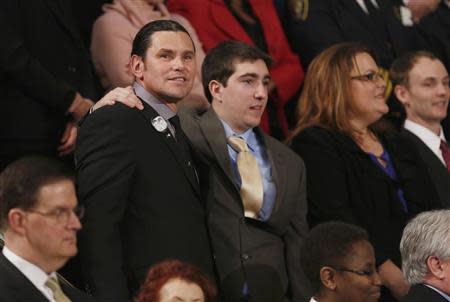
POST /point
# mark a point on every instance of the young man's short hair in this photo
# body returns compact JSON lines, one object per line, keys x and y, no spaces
{"x":401,"y":67}
{"x":220,"y":62}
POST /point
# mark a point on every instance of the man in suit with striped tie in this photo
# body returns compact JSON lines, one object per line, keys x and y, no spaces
{"x":257,"y":186}
{"x":40,"y":220}
{"x":421,"y":84}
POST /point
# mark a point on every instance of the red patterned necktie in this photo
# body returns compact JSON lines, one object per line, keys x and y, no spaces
{"x":445,"y":154}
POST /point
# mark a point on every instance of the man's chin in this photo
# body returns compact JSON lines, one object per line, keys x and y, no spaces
{"x":173,"y":98}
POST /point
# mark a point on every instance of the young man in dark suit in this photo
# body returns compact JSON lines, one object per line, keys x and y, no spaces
{"x":425,"y":249}
{"x":40,"y":220}
{"x":422,"y":86}
{"x":136,"y":176}
{"x":256,"y":212}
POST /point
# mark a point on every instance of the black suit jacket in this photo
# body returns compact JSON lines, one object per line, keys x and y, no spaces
{"x":263,"y":254}
{"x":15,"y":287}
{"x":334,"y":21}
{"x":42,"y":64}
{"x":344,"y":184}
{"x":435,"y":29}
{"x":437,"y":170}
{"x":142,"y":201}
{"x":422,"y":293}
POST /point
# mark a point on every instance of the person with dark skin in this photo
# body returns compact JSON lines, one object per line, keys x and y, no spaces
{"x":339,"y":261}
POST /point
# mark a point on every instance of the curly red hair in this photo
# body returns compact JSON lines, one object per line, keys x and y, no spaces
{"x":162,"y":272}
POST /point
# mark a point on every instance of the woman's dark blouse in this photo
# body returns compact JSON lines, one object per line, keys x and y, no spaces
{"x":345,"y":184}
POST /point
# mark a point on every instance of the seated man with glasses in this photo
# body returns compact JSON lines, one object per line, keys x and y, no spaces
{"x":339,"y":261}
{"x":39,"y":219}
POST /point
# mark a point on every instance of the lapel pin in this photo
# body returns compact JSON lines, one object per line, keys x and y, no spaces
{"x":159,"y":124}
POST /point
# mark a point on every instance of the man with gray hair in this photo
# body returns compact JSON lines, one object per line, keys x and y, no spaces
{"x":425,"y":250}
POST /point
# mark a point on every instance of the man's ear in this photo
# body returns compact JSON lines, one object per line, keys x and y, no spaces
{"x":137,"y":66}
{"x":435,"y":267}
{"x":328,"y":278}
{"x":401,"y":92}
{"x":16,"y":219}
{"x":215,"y":88}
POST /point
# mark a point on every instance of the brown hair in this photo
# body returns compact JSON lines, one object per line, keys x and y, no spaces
{"x":326,"y":99}
{"x":401,"y":67}
{"x":219,"y":63}
{"x":21,"y":181}
{"x":168,"y":270}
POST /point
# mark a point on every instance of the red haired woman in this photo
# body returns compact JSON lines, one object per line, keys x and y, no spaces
{"x":173,"y":280}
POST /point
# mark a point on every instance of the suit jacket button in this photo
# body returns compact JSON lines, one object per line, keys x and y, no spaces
{"x":245,"y":256}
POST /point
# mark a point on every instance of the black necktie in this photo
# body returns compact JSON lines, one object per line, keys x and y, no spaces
{"x":175,"y":121}
{"x":183,"y":143}
{"x":179,"y":135}
{"x":377,"y":18}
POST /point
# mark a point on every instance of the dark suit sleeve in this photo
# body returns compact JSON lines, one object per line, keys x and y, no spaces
{"x":326,"y":183}
{"x":104,"y":174}
{"x":296,"y":232}
{"x":21,"y":68}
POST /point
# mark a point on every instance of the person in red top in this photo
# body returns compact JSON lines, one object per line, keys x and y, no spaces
{"x":254,"y":22}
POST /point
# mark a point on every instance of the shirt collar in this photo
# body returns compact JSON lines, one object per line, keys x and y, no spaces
{"x":430,"y":139}
{"x":447,"y":297}
{"x":36,"y":275}
{"x":151,"y":100}
{"x":249,"y":135}
{"x":363,"y":5}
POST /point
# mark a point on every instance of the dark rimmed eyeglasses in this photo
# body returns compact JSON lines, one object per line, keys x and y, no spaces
{"x":368,"y":77}
{"x":367,"y":273}
{"x":61,"y":215}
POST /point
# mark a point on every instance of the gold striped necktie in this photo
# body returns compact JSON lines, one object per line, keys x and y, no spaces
{"x":58,"y":294}
{"x":252,"y":191}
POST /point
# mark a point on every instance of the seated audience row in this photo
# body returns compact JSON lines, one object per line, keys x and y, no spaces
{"x":339,"y":261}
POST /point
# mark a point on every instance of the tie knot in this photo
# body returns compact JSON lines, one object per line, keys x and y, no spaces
{"x":175,"y":121}
{"x":238,"y":144}
{"x":52,"y":283}
{"x":58,"y":294}
{"x":443,"y":145}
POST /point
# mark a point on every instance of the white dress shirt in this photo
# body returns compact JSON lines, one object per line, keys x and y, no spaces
{"x":312,"y":300}
{"x":36,"y":276}
{"x":428,"y":137}
{"x":363,"y":5}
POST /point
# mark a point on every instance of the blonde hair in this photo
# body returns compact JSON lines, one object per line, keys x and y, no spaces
{"x":326,"y":99}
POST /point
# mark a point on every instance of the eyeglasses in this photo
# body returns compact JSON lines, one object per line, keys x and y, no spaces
{"x":368,"y":77}
{"x":367,"y":273}
{"x":61,"y":215}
